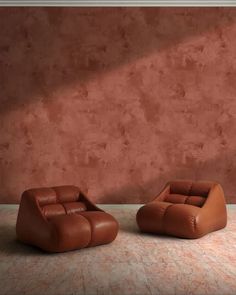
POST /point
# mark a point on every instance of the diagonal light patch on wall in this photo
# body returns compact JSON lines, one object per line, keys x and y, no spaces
{"x":124,"y":118}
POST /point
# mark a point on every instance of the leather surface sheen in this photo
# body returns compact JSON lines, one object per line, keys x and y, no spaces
{"x":185,"y":209}
{"x":61,"y":219}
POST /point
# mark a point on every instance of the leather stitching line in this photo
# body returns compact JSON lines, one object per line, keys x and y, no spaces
{"x":90,"y":223}
{"x":56,"y":194}
{"x":163,"y":217}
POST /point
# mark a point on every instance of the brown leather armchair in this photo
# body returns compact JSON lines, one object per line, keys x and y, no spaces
{"x":185,"y":209}
{"x":62,"y":218}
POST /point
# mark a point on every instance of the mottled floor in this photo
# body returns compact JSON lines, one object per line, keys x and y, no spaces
{"x":132,"y":264}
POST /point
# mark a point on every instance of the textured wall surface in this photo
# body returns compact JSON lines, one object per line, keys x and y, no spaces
{"x":117,"y":100}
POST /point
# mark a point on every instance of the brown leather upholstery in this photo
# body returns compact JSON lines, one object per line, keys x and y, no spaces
{"x":62,"y":218}
{"x":185,"y":209}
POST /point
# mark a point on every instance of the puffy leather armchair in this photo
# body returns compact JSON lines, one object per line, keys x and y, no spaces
{"x":185,"y":209}
{"x":62,"y":218}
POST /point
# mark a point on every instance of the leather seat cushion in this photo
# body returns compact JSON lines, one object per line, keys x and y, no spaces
{"x":180,"y":220}
{"x":74,"y":207}
{"x":53,"y":210}
{"x":150,"y":217}
{"x":70,"y":231}
{"x":104,"y":227}
{"x":195,"y":201}
{"x":168,"y":218}
{"x":176,"y":198}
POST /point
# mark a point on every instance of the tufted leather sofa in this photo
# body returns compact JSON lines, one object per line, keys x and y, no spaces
{"x":62,"y":218}
{"x":185,"y":209}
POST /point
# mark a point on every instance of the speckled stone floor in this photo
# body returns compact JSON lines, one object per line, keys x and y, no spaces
{"x":133,"y":264}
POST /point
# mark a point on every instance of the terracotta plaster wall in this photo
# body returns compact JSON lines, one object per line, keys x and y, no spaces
{"x":117,"y":100}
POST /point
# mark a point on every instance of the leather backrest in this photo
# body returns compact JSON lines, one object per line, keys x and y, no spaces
{"x":62,"y":209}
{"x":188,"y":192}
{"x":67,"y":193}
{"x":189,"y":188}
{"x":58,"y":200}
{"x":180,"y":187}
{"x":57,"y":194}
{"x":200,"y":188}
{"x":183,"y":199}
{"x":44,"y":196}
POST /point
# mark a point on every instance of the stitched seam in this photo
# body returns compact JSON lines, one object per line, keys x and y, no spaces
{"x":186,"y":199}
{"x":64,"y":208}
{"x":56,"y":194}
{"x":78,"y":196}
{"x":194,"y":223}
{"x":190,"y":189}
{"x":163,"y":217}
{"x":90,"y":223}
{"x":59,"y":202}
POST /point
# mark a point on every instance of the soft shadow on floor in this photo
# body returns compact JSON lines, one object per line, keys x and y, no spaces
{"x":9,"y":244}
